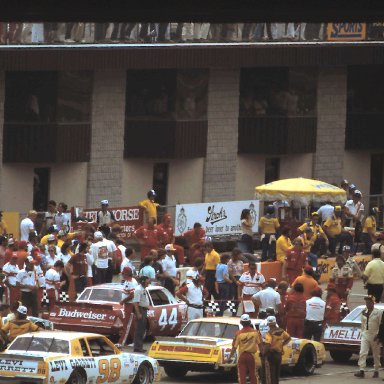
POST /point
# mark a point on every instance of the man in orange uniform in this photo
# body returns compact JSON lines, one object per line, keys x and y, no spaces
{"x":168,"y":238}
{"x":295,"y":260}
{"x":149,"y":237}
{"x":296,"y":311}
{"x":247,"y":342}
{"x":195,"y":239}
{"x":282,"y":288}
{"x":342,"y":277}
{"x":309,"y":283}
{"x":332,"y":305}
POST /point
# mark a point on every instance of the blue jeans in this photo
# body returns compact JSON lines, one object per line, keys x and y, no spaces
{"x":224,"y":296}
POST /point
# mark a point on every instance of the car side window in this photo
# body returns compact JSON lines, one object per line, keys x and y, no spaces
{"x":84,"y":347}
{"x":85,"y":295}
{"x":99,"y":347}
{"x":159,"y":297}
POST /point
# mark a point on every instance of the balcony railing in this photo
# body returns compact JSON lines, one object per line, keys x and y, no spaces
{"x":277,"y":135}
{"x":165,"y":139}
{"x":46,"y":142}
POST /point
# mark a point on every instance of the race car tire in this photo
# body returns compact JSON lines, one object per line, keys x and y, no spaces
{"x":307,"y":361}
{"x":78,"y":376}
{"x":175,"y":372}
{"x":340,"y":356}
{"x":144,"y":374}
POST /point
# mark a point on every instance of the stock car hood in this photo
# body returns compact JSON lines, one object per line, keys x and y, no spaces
{"x":342,"y":333}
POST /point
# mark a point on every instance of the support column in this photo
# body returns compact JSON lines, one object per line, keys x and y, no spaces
{"x":105,"y":168}
{"x":2,"y":100}
{"x":219,"y":182}
{"x":331,"y":124}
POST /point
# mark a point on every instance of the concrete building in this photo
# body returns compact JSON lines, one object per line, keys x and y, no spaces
{"x":197,"y":123}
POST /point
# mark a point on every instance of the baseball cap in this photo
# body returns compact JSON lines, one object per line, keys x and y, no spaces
{"x":104,"y":202}
{"x":98,"y":235}
{"x":344,"y":182}
{"x":370,"y":297}
{"x":337,"y":208}
{"x":51,"y":238}
{"x":271,"y":319}
{"x":169,"y":247}
{"x":315,"y":214}
{"x":352,"y":186}
{"x":126,"y":270}
{"x":22,"y":310}
{"x":245,"y":317}
{"x":357,"y":193}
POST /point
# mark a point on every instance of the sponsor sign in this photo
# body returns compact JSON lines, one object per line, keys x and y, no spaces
{"x":129,"y":218}
{"x":346,"y":31}
{"x":340,"y":334}
{"x":218,"y":218}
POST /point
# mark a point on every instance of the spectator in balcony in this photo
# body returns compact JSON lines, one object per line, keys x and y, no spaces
{"x":150,"y":206}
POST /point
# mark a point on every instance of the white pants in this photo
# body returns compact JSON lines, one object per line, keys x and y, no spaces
{"x":367,"y":343}
{"x":194,"y":313}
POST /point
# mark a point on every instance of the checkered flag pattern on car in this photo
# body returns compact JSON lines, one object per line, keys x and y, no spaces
{"x":44,"y":299}
{"x":231,"y":306}
{"x":214,"y":306}
{"x":64,"y":297}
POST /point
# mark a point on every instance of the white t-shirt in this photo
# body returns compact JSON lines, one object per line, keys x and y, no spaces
{"x":100,"y":252}
{"x":111,"y":247}
{"x":62,"y":221}
{"x":325,"y":212}
{"x":25,"y":277}
{"x":127,"y":263}
{"x":52,"y":278}
{"x":129,"y":287}
{"x":268,"y":297}
{"x":90,"y":261}
{"x":65,"y":258}
{"x":26,"y":227}
{"x":194,"y":294}
{"x":353,"y":209}
{"x":169,"y":265}
{"x":315,"y":309}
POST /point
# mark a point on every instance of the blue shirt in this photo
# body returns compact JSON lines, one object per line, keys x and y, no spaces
{"x":148,"y":271}
{"x":221,"y":270}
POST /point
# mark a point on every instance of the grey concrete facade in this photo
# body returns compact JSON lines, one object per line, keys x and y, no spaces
{"x":2,"y":98}
{"x":107,"y":145}
{"x":219,"y":182}
{"x":331,"y":124}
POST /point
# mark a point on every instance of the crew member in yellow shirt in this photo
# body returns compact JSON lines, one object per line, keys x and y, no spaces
{"x":369,"y":230}
{"x":283,"y":245}
{"x":373,"y":275}
{"x":212,"y":258}
{"x":3,"y":225}
{"x":336,"y":233}
{"x":321,"y":243}
{"x":268,"y":225}
{"x":150,"y":205}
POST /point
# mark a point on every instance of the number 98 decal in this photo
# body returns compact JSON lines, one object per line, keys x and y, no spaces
{"x":164,"y":320}
{"x":109,"y":371}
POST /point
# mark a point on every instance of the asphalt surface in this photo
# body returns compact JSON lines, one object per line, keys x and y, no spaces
{"x":330,"y":372}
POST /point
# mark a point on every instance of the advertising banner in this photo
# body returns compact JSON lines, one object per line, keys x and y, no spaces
{"x":219,"y":218}
{"x":346,"y":31}
{"x":129,"y":218}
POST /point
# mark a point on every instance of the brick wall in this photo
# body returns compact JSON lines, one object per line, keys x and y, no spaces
{"x":2,"y":96}
{"x":331,"y":123}
{"x":107,"y":145}
{"x":219,"y":182}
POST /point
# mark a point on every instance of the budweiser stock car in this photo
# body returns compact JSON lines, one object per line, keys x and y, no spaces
{"x":74,"y":358}
{"x":342,"y":340}
{"x":204,"y":344}
{"x":98,"y":309}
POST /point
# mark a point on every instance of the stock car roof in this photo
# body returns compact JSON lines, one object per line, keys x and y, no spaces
{"x":224,"y":320}
{"x":118,"y":286}
{"x":63,"y":335}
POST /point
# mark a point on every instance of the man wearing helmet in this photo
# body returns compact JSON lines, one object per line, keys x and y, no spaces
{"x":268,"y":226}
{"x":150,"y":205}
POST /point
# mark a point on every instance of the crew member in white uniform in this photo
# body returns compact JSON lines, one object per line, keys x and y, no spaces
{"x":52,"y":283}
{"x":314,"y":319}
{"x":10,"y":270}
{"x":370,"y":325}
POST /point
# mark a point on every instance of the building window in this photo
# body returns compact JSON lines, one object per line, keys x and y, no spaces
{"x":41,"y":179}
{"x":160,"y":182}
{"x":272,"y":169}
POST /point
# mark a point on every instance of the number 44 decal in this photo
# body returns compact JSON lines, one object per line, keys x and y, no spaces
{"x":164,"y":320}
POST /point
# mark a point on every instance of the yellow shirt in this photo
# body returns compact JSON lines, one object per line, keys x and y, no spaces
{"x":44,"y":240}
{"x":369,"y":223}
{"x":211,"y":260}
{"x":268,"y":224}
{"x":247,"y":340}
{"x":3,"y":228}
{"x":15,"y":328}
{"x":283,"y":245}
{"x":150,"y":206}
{"x":333,"y":225}
{"x":375,"y":271}
{"x":276,"y":338}
{"x":316,"y":228}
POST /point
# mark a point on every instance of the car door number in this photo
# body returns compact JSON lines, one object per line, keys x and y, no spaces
{"x":164,"y":320}
{"x":109,"y":372}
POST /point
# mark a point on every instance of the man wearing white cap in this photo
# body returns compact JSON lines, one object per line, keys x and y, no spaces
{"x":99,"y":251}
{"x":274,"y":341}
{"x":169,"y":266}
{"x":193,"y":294}
{"x":105,"y":218}
{"x":247,"y":342}
{"x":354,"y":210}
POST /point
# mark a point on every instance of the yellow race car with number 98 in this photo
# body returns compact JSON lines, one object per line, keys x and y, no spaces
{"x":204,"y":344}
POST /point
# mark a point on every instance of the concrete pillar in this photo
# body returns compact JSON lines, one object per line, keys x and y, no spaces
{"x":331,"y":124}
{"x":105,"y":168}
{"x":219,"y":181}
{"x":2,"y":99}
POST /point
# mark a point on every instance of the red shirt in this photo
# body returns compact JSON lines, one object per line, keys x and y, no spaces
{"x":295,"y":260}
{"x":151,"y":238}
{"x":193,"y":238}
{"x":79,"y":265}
{"x":167,"y":233}
{"x":332,"y":309}
{"x":296,"y":305}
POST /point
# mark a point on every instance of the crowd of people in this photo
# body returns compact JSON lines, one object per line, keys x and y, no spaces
{"x":58,"y":33}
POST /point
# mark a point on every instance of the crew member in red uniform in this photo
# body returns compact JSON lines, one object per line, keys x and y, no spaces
{"x":168,"y":237}
{"x":149,"y":237}
{"x":296,"y":310}
{"x":247,"y":342}
{"x":332,"y":305}
{"x":295,"y":261}
{"x":282,"y":289}
{"x":342,"y":277}
{"x":195,"y":239}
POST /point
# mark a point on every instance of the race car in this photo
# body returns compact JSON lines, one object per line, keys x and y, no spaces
{"x":342,"y":340}
{"x":75,"y":358}
{"x":204,"y":344}
{"x":98,"y":309}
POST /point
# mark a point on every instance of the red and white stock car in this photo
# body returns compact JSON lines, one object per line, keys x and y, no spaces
{"x":98,"y":309}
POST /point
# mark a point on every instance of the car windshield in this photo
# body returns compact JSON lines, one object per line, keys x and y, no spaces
{"x":353,"y":316}
{"x":102,"y":294}
{"x":40,"y":344}
{"x":226,"y":331}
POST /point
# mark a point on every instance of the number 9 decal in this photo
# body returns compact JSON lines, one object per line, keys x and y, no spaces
{"x":109,"y":372}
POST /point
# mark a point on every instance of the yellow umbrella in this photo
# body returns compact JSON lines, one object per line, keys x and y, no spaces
{"x":301,"y":190}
